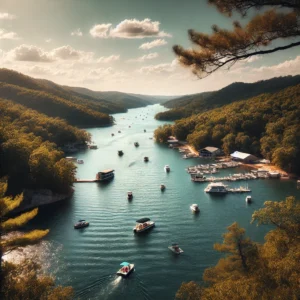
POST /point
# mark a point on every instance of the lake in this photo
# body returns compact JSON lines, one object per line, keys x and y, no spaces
{"x":88,"y":258}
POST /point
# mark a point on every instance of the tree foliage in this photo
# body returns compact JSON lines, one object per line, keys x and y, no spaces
{"x":251,"y":270}
{"x":267,"y":125}
{"x":22,"y":281}
{"x":278,"y":21}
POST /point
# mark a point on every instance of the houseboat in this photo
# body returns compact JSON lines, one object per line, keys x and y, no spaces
{"x":105,"y":175}
{"x":216,"y":187}
{"x":143,"y":224}
{"x":126,"y":269}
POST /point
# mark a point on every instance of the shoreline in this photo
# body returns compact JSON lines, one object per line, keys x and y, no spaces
{"x":268,"y":167}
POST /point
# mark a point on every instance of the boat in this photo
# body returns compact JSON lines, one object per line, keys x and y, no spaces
{"x":119,"y":131}
{"x":112,"y":134}
{"x":216,"y":187}
{"x":194,"y":208}
{"x":93,"y":146}
{"x":143,"y":224}
{"x":136,"y":144}
{"x":144,"y":130}
{"x":80,"y":161}
{"x":81,"y":224}
{"x":167,"y":168}
{"x":105,"y":175}
{"x":120,"y":152}
{"x":175,"y":248}
{"x":162,"y":187}
{"x":248,"y":199}
{"x":126,"y":269}
{"x":146,"y":158}
{"x":129,"y":195}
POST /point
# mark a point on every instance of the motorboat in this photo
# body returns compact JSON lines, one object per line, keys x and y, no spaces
{"x":144,"y":130}
{"x":71,"y":158}
{"x":81,"y":224}
{"x":195,"y":208}
{"x":162,"y":187}
{"x":93,"y":147}
{"x":120,"y":153}
{"x":80,"y":161}
{"x":175,"y":248}
{"x":143,"y":224}
{"x":105,"y":175}
{"x":248,"y":199}
{"x":167,"y":168}
{"x":129,"y":195}
{"x":112,"y":134}
{"x":136,"y":144}
{"x":119,"y":131}
{"x":216,"y":187}
{"x":146,"y":158}
{"x":126,"y":269}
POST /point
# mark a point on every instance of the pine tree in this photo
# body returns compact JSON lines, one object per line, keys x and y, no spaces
{"x":279,"y":21}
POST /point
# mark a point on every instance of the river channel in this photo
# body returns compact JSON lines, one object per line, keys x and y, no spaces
{"x":88,"y":259}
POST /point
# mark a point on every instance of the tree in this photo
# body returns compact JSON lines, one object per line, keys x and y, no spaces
{"x":280,"y":20}
{"x":253,"y":271}
{"x":22,"y":281}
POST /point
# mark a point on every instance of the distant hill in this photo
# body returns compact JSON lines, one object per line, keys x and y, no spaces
{"x":187,"y":105}
{"x":79,"y":106}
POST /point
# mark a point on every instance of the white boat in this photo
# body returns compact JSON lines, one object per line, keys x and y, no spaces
{"x":126,"y":269}
{"x":175,"y":248}
{"x":216,"y":187}
{"x":143,"y":224}
{"x":71,"y":158}
{"x":80,"y":161}
{"x":194,"y":208}
{"x":129,"y":195}
{"x":248,"y":199}
{"x":167,"y":168}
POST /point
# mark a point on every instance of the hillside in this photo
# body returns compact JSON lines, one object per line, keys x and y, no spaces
{"x":187,"y":105}
{"x":266,"y":125}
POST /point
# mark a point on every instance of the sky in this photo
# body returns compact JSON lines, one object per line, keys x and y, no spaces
{"x":121,"y":45}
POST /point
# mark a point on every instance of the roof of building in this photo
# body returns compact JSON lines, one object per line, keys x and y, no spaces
{"x":211,"y":149}
{"x":107,"y":171}
{"x":241,"y":155}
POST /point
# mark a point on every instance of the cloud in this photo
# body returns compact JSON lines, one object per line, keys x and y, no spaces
{"x":48,"y":40}
{"x":77,"y":32}
{"x":144,"y":57}
{"x":129,"y":29}
{"x":7,"y":16}
{"x":108,"y":59}
{"x":4,"y":35}
{"x":155,"y":43}
{"x":160,"y":68}
{"x":100,"y":30}
{"x":36,"y":54}
{"x":30,"y":53}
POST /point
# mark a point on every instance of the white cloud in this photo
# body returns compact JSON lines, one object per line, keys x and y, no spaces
{"x":48,"y":40}
{"x":7,"y":16}
{"x":155,"y":43}
{"x":30,"y":53}
{"x":36,"y":54}
{"x":160,"y":68}
{"x":108,"y":59}
{"x":100,"y":30}
{"x":76,"y":32}
{"x":253,"y":58}
{"x":130,"y":29}
{"x":4,"y":35}
{"x":144,"y":57}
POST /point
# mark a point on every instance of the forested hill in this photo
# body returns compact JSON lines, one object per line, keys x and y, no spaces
{"x":266,"y":125}
{"x":29,"y":155}
{"x":187,"y":105}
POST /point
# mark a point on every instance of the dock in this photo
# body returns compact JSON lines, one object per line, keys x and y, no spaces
{"x":86,"y":180}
